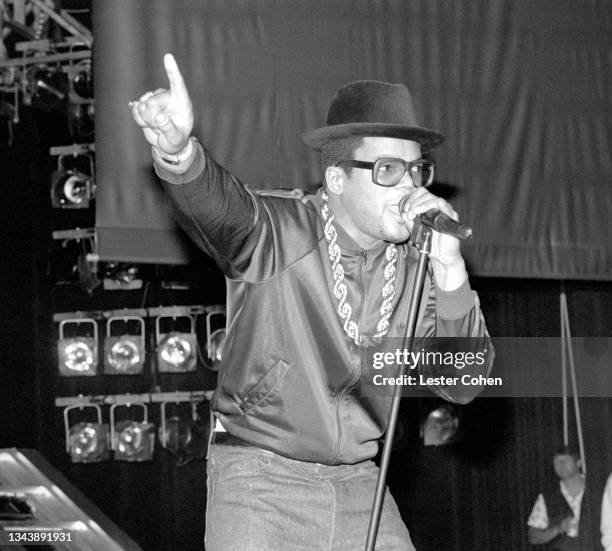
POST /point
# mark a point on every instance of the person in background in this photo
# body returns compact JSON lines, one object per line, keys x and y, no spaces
{"x":563,"y":517}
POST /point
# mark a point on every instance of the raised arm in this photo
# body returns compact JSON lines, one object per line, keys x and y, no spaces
{"x":214,"y":208}
{"x":224,"y":218}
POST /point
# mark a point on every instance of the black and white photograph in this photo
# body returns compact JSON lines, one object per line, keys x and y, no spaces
{"x":305,"y":275}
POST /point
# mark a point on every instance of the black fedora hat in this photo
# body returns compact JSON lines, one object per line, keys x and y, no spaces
{"x":372,"y":108}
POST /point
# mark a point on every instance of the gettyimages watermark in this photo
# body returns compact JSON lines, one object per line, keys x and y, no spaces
{"x":521,"y":367}
{"x":430,"y":360}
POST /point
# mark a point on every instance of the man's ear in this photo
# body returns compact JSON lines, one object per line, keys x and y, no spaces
{"x":335,"y":178}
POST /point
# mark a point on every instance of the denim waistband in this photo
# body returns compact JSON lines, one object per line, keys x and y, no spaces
{"x":227,"y":449}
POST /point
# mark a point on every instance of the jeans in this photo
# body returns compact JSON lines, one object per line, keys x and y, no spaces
{"x":260,"y":501}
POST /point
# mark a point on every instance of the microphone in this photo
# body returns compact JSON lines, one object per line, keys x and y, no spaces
{"x":437,"y":220}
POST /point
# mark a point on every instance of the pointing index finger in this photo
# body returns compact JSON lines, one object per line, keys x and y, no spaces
{"x":175,"y":78}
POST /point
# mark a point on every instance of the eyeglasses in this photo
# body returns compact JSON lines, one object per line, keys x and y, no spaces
{"x":389,"y":172}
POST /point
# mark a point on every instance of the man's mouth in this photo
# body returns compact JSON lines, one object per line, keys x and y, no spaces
{"x":398,"y":213}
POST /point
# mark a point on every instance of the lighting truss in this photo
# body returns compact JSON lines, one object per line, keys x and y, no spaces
{"x":70,"y":55}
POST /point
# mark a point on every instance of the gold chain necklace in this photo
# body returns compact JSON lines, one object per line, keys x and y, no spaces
{"x":344,"y":309}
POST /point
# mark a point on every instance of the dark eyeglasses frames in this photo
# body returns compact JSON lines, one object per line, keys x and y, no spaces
{"x":389,"y":172}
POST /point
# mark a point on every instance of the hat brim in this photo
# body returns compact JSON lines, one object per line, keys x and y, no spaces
{"x":427,"y":138}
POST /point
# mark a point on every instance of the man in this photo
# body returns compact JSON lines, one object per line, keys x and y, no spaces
{"x":606,"y":516}
{"x":312,"y":280}
{"x":562,"y":517}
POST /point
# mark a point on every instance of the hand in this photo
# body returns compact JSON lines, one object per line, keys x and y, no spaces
{"x":166,"y":116}
{"x":447,"y":262}
{"x":566,"y":525}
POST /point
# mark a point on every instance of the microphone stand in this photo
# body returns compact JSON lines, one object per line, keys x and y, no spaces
{"x":423,"y":244}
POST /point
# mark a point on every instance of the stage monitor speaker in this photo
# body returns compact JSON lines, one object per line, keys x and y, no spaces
{"x":40,"y":509}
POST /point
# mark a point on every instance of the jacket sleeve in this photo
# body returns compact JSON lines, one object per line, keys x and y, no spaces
{"x":238,"y":227}
{"x":453,"y":325}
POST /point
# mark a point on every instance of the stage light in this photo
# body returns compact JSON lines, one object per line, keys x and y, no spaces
{"x":72,"y":188}
{"x":78,"y":354}
{"x":86,"y":442}
{"x":124,"y":354}
{"x":176,"y":350}
{"x":215,"y":348}
{"x":48,"y":88}
{"x":82,"y":79}
{"x":174,"y":432}
{"x":86,"y":269}
{"x":441,"y":426}
{"x":215,"y":341}
{"x":185,"y":438}
{"x":132,"y":440}
{"x":81,"y":121}
{"x":135,"y":441}
{"x":120,"y":276}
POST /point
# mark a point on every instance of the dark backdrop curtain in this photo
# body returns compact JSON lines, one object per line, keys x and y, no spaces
{"x":521,"y":90}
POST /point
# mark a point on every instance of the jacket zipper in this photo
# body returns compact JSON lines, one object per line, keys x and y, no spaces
{"x":356,"y":373}
{"x":362,"y":270}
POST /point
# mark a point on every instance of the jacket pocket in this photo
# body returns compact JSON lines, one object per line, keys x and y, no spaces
{"x":264,"y":387}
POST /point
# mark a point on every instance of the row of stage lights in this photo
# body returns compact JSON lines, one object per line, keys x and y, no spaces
{"x":90,"y":440}
{"x":176,"y":343}
{"x":130,"y":436}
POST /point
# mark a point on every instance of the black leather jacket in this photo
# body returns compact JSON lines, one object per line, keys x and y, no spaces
{"x":290,"y":380}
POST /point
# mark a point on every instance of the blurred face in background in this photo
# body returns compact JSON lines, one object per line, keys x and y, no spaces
{"x":566,"y":466}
